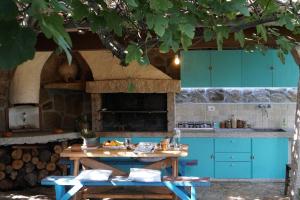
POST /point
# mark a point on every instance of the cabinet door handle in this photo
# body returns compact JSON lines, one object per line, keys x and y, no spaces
{"x":212,"y":156}
{"x":252,"y":157}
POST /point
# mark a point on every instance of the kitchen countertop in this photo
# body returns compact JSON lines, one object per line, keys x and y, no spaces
{"x":287,"y":133}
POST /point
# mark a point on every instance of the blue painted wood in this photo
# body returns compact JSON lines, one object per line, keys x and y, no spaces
{"x":270,"y":157}
{"x":201,"y":149}
{"x":233,"y":157}
{"x":232,"y":170}
{"x":232,"y":145}
{"x":175,"y":186}
{"x":285,"y":75}
{"x":256,"y":69}
{"x":195,"y":69}
{"x":226,"y":68}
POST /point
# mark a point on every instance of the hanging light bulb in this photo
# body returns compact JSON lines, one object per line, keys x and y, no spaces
{"x":177,"y":60}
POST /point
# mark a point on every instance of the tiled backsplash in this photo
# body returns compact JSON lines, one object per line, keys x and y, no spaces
{"x":193,"y":105}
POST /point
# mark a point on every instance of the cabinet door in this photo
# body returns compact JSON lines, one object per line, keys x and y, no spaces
{"x":233,"y":170}
{"x":200,"y":149}
{"x":270,"y":155}
{"x":195,"y":70}
{"x":285,"y":75}
{"x":257,"y":69}
{"x":226,"y":68}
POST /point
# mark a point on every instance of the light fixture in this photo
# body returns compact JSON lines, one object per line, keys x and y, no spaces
{"x":177,"y":60}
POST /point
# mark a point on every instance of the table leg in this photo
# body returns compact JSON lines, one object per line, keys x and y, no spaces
{"x":76,"y":166}
{"x":174,"y":167}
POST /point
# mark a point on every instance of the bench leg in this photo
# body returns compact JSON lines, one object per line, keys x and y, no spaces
{"x":72,"y":191}
{"x":59,"y":191}
{"x":180,"y":193}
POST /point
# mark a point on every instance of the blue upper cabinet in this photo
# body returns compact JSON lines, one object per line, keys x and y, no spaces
{"x":286,"y":74}
{"x":270,"y":155}
{"x":195,"y":69}
{"x":257,"y":69}
{"x":237,"y":68}
{"x":226,"y":68}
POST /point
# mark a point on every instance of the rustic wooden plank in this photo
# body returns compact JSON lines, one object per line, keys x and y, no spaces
{"x":93,"y":164}
{"x":78,"y":86}
{"x":118,"y":153}
{"x":139,"y":85}
{"x":160,"y":164}
{"x":171,"y":111}
{"x":96,"y":103}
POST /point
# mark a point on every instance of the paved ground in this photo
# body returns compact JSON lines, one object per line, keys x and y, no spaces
{"x":219,"y":191}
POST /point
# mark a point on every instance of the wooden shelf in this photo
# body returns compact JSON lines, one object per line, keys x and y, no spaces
{"x":79,"y":86}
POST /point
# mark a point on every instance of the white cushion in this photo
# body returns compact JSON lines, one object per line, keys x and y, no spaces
{"x":144,"y":175}
{"x":94,"y":175}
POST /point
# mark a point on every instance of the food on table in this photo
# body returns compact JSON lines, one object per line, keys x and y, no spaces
{"x":113,"y":143}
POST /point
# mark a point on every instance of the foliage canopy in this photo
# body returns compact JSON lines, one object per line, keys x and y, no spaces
{"x":130,"y":27}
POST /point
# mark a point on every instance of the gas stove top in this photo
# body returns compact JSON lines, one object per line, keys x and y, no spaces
{"x":194,"y":125}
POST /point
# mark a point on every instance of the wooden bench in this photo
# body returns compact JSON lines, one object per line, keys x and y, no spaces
{"x":175,"y":185}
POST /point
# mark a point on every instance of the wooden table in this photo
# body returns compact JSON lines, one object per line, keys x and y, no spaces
{"x":85,"y":157}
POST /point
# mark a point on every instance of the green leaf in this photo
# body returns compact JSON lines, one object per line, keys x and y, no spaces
{"x":284,"y":44}
{"x":186,"y":42}
{"x":80,"y":10}
{"x":150,"y":20}
{"x":144,"y":60}
{"x":134,"y":52}
{"x":261,"y":30}
{"x":281,"y":56}
{"x":188,"y":30}
{"x":96,"y":22}
{"x":160,"y":25}
{"x":164,"y":47}
{"x":160,"y":5}
{"x":8,"y":10}
{"x":241,"y":6}
{"x":207,"y":34}
{"x":17,"y":44}
{"x":239,"y":36}
{"x":114,"y":22}
{"x":132,"y":3}
{"x":287,"y":20}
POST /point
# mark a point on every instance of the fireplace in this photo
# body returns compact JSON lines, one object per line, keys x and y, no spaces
{"x":134,"y":112}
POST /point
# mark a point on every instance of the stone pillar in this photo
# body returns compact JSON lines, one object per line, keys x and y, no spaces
{"x":295,"y":151}
{"x":96,"y":101}
{"x":171,"y":111}
{"x":5,"y":77}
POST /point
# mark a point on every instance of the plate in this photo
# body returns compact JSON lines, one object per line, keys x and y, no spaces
{"x":114,"y":147}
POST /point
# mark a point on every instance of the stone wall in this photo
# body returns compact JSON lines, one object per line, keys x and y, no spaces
{"x":192,"y":105}
{"x":61,"y":108}
{"x":5,"y":76}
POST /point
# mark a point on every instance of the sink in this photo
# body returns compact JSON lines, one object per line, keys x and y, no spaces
{"x":268,"y":130}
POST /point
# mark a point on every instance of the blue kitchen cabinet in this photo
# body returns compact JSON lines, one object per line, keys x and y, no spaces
{"x":226,"y":68}
{"x":286,"y":74}
{"x":270,"y":155}
{"x":195,"y":69}
{"x":202,"y":150}
{"x":257,"y":69}
{"x":233,"y":158}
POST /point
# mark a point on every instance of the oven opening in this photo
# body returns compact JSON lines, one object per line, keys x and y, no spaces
{"x":134,"y":112}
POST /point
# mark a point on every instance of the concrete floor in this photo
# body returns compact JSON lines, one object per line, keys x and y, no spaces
{"x":218,"y":191}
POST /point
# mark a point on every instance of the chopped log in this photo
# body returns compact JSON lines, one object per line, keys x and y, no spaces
{"x":13,"y":175}
{"x":2,"y":175}
{"x":51,"y":167}
{"x":20,"y":182}
{"x":41,"y":165}
{"x":6,"y":184}
{"x":34,"y":152}
{"x":2,"y":166}
{"x":35,"y":160}
{"x":56,"y":173}
{"x":8,"y":169}
{"x":5,"y":159}
{"x":54,"y":158}
{"x":31,"y":179}
{"x":57,"y":149}
{"x":45,"y":155}
{"x":17,"y":154}
{"x":17,"y":164}
{"x":26,"y":157}
{"x":64,"y":144}
{"x":29,"y":167}
{"x":42,"y":174}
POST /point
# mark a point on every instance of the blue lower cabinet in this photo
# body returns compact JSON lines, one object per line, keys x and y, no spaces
{"x":202,"y":150}
{"x":270,"y":155}
{"x":233,"y":170}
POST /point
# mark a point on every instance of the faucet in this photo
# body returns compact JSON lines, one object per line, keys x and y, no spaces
{"x":264,"y":108}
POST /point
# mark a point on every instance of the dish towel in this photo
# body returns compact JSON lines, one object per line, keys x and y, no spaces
{"x":94,"y":175}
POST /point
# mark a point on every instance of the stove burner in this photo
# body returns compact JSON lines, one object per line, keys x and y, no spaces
{"x":194,"y":124}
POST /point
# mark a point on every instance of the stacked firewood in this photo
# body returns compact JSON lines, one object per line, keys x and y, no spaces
{"x":24,"y":166}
